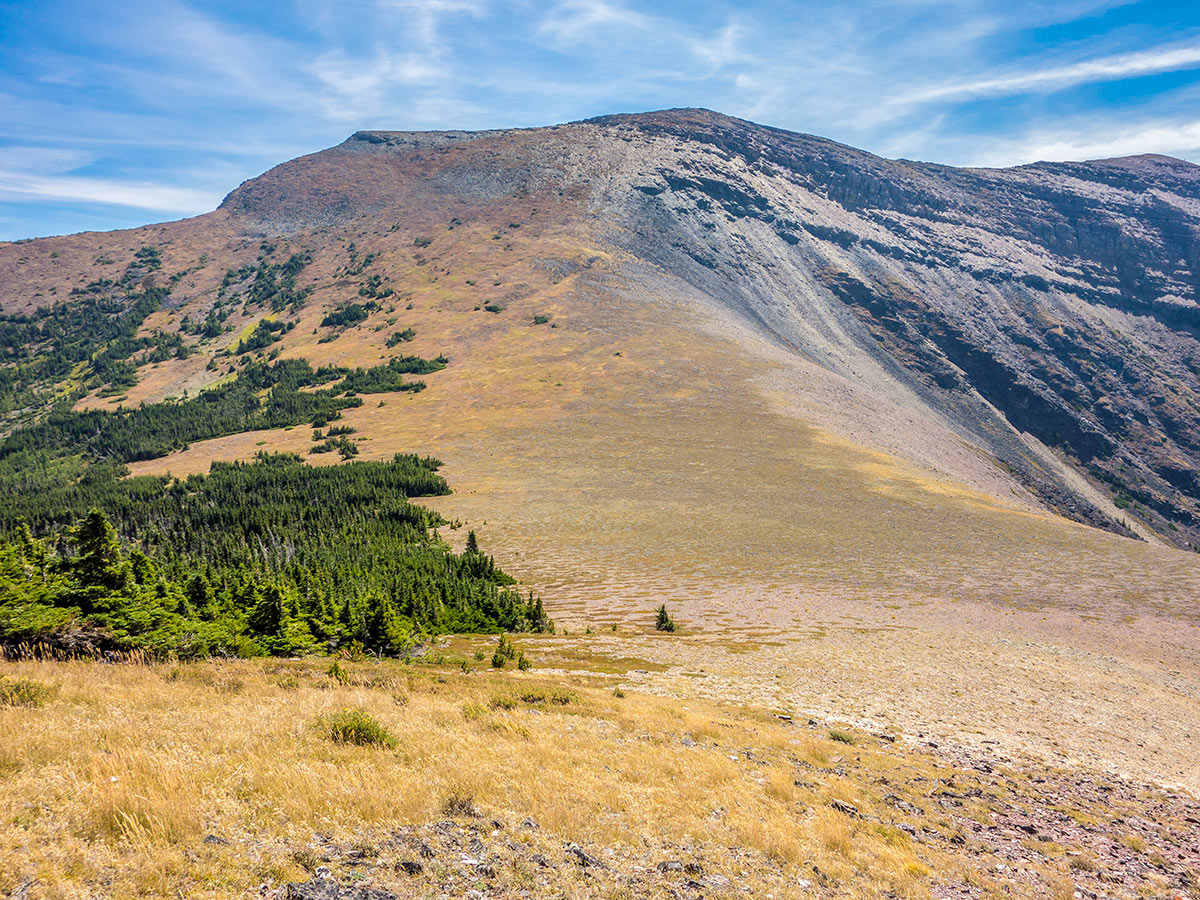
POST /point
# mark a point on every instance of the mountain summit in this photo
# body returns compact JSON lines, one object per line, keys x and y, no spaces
{"x":1027,"y":333}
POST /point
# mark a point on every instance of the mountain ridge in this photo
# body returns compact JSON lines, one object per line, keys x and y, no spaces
{"x":1046,"y":314}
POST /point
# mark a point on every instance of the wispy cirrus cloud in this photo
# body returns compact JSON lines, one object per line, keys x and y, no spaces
{"x":575,"y":21}
{"x":165,"y":105}
{"x":1110,"y":68}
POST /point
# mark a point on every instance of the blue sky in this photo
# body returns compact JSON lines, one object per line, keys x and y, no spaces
{"x":127,"y":112}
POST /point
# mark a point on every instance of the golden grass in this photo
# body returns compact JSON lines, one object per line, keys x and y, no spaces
{"x":112,"y":786}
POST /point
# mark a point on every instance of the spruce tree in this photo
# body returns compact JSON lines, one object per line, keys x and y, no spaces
{"x":99,"y":560}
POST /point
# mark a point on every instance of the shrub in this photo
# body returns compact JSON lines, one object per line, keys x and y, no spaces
{"x":353,"y":726}
{"x":663,"y":620}
{"x":541,"y":695}
{"x":493,"y":307}
{"x":523,"y":663}
{"x":503,"y":701}
{"x":288,"y":683}
{"x":338,"y":673}
{"x":842,"y":737}
{"x":401,"y":336}
{"x":540,"y":320}
{"x":24,"y":692}
{"x":459,"y":802}
{"x":472,"y":711}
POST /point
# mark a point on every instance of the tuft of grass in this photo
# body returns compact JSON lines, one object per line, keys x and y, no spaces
{"x":338,"y":673}
{"x":354,"y":726}
{"x":553,"y":696}
{"x":24,"y":692}
{"x":460,"y":803}
{"x":842,"y":737}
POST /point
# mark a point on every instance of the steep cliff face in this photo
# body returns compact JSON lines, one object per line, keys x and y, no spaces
{"x":1059,"y":299}
{"x":1045,"y":316}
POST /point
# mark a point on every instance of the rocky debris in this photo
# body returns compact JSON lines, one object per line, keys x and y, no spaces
{"x":842,"y":806}
{"x":1117,"y":838}
{"x":903,"y":805}
{"x":328,"y":889}
{"x":578,"y":855}
{"x":527,"y":865}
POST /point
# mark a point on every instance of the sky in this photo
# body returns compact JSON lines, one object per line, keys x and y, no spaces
{"x":122,"y":113}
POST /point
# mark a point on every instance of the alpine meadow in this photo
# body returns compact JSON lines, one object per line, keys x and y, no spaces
{"x":656,"y":505}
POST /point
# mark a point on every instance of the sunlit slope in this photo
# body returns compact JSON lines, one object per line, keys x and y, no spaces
{"x":624,"y":429}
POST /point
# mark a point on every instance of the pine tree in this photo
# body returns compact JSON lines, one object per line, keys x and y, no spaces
{"x":663,"y":620}
{"x":99,"y":560}
{"x":267,"y":618}
{"x":472,"y":543}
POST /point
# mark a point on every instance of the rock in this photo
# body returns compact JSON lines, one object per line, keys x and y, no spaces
{"x":216,"y":839}
{"x":476,"y":848}
{"x":903,"y":805}
{"x":328,"y":889}
{"x":322,"y":872}
{"x":578,"y":855}
{"x":670,"y":866}
{"x":531,"y":824}
{"x":541,"y":861}
{"x":842,"y":806}
{"x":804,"y":884}
{"x":410,"y":867}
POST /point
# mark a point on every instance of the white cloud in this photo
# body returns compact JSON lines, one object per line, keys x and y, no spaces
{"x":1111,"y":68}
{"x":575,"y":21}
{"x":21,"y":185}
{"x":1099,"y":139}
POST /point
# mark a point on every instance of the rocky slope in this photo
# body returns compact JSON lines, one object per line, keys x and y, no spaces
{"x":1044,"y":317}
{"x":1056,"y":302}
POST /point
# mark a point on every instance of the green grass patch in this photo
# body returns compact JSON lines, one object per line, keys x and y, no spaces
{"x":24,"y":692}
{"x":353,"y":726}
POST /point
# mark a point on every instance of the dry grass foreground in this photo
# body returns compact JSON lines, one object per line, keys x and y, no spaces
{"x":219,"y":780}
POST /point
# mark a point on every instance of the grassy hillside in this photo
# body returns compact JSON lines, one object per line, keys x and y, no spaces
{"x":210,"y":780}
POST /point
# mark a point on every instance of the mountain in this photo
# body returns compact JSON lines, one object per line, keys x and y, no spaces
{"x":1039,"y":322}
{"x":908,"y":452}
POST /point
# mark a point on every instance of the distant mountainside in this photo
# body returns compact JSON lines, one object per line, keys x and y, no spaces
{"x":1031,"y":333}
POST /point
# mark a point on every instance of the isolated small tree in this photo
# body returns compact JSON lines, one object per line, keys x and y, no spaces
{"x":472,"y":543}
{"x":663,"y":620}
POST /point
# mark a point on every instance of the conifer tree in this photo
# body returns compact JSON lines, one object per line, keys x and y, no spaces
{"x":99,"y":560}
{"x":267,"y":618}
